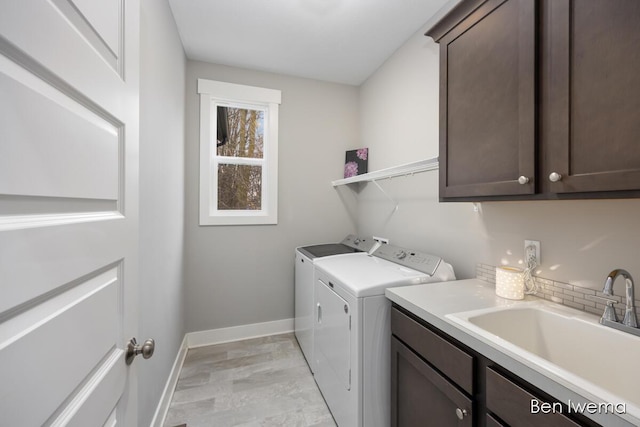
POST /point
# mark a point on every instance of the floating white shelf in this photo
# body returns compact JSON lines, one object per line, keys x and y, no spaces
{"x":401,"y":170}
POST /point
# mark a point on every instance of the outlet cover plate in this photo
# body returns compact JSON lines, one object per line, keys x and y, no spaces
{"x":534,"y":243}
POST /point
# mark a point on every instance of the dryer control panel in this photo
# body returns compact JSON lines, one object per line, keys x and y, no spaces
{"x":416,"y":260}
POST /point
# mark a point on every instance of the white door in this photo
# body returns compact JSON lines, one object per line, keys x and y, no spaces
{"x":68,"y":211}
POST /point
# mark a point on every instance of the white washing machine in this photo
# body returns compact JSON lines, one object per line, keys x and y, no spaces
{"x":352,"y":328}
{"x":304,"y":280}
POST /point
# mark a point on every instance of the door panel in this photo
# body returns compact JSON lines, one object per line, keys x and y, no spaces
{"x":74,"y":352}
{"x":334,"y":344}
{"x":63,"y":41}
{"x":592,"y":129}
{"x":487,"y":102}
{"x":74,"y":153}
{"x":45,"y":260}
{"x":421,"y":396}
{"x":333,"y":334}
{"x":104,"y":18}
{"x":68,"y":211}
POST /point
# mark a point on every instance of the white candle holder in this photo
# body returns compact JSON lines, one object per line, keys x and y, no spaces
{"x":509,"y":283}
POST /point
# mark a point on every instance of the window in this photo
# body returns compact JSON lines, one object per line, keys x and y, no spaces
{"x":238,"y":154}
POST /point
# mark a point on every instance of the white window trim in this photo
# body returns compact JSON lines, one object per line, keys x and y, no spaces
{"x":255,"y":97}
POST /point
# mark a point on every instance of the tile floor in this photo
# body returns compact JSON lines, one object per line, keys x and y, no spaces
{"x":257,"y":382}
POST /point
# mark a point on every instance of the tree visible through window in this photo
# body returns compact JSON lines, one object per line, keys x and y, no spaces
{"x":240,"y":186}
{"x":238,"y":154}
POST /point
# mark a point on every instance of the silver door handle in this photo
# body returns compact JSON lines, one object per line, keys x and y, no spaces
{"x":319,"y":313}
{"x":133,"y":349}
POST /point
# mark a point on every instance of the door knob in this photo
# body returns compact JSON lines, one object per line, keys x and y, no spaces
{"x":133,"y":349}
{"x":523,"y":180}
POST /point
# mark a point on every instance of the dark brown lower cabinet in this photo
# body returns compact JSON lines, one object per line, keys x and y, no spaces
{"x":513,"y":405}
{"x":421,"y":396}
{"x":438,"y":381}
{"x":492,"y":422}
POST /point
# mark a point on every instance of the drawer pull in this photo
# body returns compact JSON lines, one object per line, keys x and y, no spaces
{"x":523,"y":180}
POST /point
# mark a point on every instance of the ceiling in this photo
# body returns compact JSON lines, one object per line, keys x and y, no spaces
{"x":342,"y":41}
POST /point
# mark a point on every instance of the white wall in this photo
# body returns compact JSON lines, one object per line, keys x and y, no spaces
{"x":581,"y":240}
{"x":238,"y":275}
{"x":162,"y":102}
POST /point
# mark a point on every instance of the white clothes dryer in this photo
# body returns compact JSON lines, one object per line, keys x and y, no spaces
{"x":304,"y":280}
{"x":352,"y":328}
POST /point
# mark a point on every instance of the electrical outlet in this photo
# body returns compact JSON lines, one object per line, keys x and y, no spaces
{"x":382,"y":240}
{"x":528,"y":252}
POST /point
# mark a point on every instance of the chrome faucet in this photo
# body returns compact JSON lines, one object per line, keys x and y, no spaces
{"x":609,"y":315}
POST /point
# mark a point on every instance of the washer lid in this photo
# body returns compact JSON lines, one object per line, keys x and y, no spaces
{"x":363,"y":275}
{"x":327,"y":249}
{"x":349,"y":245}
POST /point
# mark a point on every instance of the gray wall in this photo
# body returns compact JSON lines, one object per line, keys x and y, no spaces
{"x":581,"y":240}
{"x":161,"y":307}
{"x":238,"y":275}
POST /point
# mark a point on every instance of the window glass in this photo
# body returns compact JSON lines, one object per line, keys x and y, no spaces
{"x":239,"y":187}
{"x":240,"y":132}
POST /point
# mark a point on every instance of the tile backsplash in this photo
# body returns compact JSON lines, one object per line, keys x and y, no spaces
{"x":584,"y":299}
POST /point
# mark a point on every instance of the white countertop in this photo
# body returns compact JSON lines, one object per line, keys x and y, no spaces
{"x":432,"y":302}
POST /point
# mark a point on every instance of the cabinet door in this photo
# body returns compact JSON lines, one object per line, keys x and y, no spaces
{"x":593,"y":89}
{"x":487,"y":102}
{"x":420,"y":396}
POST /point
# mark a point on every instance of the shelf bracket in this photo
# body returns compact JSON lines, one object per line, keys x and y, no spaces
{"x":394,"y":201}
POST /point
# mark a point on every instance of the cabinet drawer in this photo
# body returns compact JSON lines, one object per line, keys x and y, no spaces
{"x":512,"y":404}
{"x":442,"y":354}
{"x":492,"y":422}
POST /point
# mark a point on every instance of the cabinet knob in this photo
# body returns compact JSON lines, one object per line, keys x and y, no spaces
{"x":461,"y":413}
{"x":523,"y":180}
{"x":555,"y":177}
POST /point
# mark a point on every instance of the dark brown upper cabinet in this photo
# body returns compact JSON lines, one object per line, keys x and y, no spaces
{"x":591,"y":103}
{"x":539,"y":99}
{"x":487,"y":102}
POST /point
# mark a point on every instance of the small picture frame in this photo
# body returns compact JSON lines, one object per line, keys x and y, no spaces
{"x":356,"y":162}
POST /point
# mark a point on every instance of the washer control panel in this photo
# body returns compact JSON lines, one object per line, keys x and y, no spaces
{"x":420,"y":261}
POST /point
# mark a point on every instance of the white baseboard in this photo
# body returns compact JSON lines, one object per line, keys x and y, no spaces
{"x":211,"y":337}
{"x":172,"y":381}
{"x":237,"y":333}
